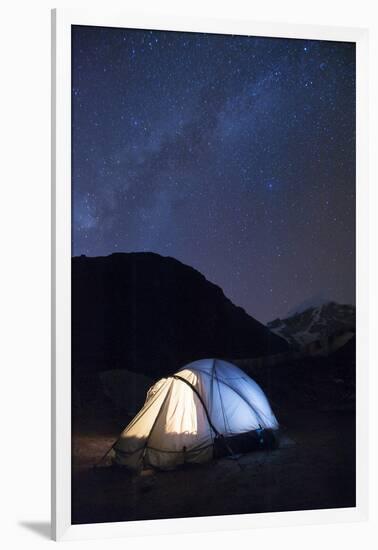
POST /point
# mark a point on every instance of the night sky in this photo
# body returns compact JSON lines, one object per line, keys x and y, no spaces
{"x":235,"y":155}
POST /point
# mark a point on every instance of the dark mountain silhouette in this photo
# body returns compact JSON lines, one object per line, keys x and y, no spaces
{"x":151,"y":314}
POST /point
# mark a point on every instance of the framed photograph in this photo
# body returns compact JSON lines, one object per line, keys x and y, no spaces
{"x":210,"y":363}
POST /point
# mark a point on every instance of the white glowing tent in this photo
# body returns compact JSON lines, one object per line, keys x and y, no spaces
{"x":185,"y":413}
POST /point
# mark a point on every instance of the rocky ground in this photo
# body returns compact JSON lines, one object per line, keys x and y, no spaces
{"x":313,"y":468}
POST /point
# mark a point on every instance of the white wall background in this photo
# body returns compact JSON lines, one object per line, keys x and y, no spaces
{"x":25,"y":272}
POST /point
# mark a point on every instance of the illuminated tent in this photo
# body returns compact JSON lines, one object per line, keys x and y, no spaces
{"x":187,"y":415}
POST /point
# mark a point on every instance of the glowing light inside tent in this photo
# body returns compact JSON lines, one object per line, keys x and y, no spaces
{"x":183,"y":413}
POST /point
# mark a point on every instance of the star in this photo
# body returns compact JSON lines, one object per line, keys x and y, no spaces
{"x":234,"y":154}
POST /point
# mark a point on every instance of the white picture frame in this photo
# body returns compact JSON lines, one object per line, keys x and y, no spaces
{"x":62,"y":529}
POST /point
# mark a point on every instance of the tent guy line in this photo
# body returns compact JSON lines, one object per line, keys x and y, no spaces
{"x":176,"y":424}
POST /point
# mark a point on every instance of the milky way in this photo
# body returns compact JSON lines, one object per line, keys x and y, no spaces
{"x":235,"y":155}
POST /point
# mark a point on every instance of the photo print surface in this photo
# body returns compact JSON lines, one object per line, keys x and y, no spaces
{"x":213,"y":274}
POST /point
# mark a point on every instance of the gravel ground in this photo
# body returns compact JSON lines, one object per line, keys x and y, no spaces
{"x":313,"y":468}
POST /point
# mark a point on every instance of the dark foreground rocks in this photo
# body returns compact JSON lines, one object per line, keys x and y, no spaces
{"x":313,"y":468}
